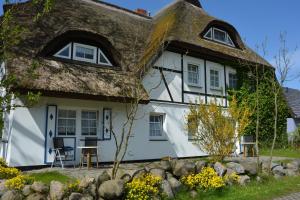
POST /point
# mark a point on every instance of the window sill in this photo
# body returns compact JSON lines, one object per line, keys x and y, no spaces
{"x":194,"y":85}
{"x":158,"y":140}
{"x":216,"y":89}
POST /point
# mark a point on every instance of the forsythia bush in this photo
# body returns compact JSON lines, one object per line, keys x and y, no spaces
{"x":18,"y":182}
{"x":2,"y":163}
{"x":206,"y":179}
{"x":232,"y":178}
{"x":73,"y":187}
{"x":8,"y":172}
{"x":143,"y":188}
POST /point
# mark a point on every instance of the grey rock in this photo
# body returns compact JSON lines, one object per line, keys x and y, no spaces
{"x":27,"y":190}
{"x":104,"y":176}
{"x":139,"y":173}
{"x":243,"y":180}
{"x":126,"y":178}
{"x":11,"y":195}
{"x":165,"y":165}
{"x":193,"y":194}
{"x":229,"y":172}
{"x":182,"y":168}
{"x":92,"y":189}
{"x":159,"y":173}
{"x":290,"y":172}
{"x":112,"y":189}
{"x":293,"y":165}
{"x":166,"y":189}
{"x":57,"y":190}
{"x":87,"y":197}
{"x":39,"y":187}
{"x":220,"y":169}
{"x":169,"y":175}
{"x":236,"y":167}
{"x":250,"y":167}
{"x":266,"y":166}
{"x":36,"y":196}
{"x":86,"y":182}
{"x":200,"y":165}
{"x":258,"y":179}
{"x":278,"y":170}
{"x":3,"y":189}
{"x":175,"y":184}
{"x":75,"y":196}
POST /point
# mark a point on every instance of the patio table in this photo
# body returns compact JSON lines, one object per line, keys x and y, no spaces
{"x":88,"y":154}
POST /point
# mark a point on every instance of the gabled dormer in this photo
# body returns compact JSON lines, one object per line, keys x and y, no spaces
{"x":219,"y":35}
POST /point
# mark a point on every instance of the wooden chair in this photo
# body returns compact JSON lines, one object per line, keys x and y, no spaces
{"x":89,"y":153}
{"x":248,"y":141}
{"x":61,"y":152}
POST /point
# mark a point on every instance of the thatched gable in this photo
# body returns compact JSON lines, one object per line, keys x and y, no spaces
{"x":134,"y":42}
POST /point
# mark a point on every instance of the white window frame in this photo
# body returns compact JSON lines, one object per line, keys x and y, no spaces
{"x":228,"y":41}
{"x":66,"y":118}
{"x":199,"y":72}
{"x":211,"y":33}
{"x":70,"y":51}
{"x":94,"y":60}
{"x":96,"y":112}
{"x":101,"y":52}
{"x":219,"y":76}
{"x":232,"y":73}
{"x":162,"y":136}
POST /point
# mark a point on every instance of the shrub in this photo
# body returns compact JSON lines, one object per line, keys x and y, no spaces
{"x":3,"y":163}
{"x":18,"y":182}
{"x":232,"y":178}
{"x":207,"y":179}
{"x":8,"y":172}
{"x":73,"y":187}
{"x":144,"y":188}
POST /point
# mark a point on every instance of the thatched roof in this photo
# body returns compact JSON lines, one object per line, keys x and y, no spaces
{"x":132,"y":41}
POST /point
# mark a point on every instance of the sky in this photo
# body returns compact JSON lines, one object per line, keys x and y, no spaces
{"x":257,"y":21}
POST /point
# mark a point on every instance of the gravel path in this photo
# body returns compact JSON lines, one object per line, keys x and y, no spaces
{"x":295,"y":196}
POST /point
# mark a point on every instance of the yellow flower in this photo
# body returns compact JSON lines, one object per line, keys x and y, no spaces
{"x":8,"y":172}
{"x":18,"y":182}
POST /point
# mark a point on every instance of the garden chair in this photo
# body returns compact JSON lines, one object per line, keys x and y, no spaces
{"x":246,"y":141}
{"x":61,"y":152}
{"x":89,"y":153}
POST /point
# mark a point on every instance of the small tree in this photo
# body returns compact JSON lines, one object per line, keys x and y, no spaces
{"x":216,"y":129}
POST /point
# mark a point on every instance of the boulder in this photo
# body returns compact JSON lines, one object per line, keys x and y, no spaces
{"x":75,"y":196}
{"x":112,"y":189}
{"x":220,"y":169}
{"x":104,"y":176}
{"x":250,"y":167}
{"x":159,"y":173}
{"x":229,"y":172}
{"x":290,"y":172}
{"x":243,"y":180}
{"x":87,"y":197}
{"x":182,"y":168}
{"x":27,"y":190}
{"x":86,"y":182}
{"x":36,"y":196}
{"x":39,"y":187}
{"x":126,"y":178}
{"x":12,"y":195}
{"x":200,"y":165}
{"x":278,"y":170}
{"x":258,"y":179}
{"x":166,"y":189}
{"x":236,"y":167}
{"x":193,"y":194}
{"x":92,"y":190}
{"x":293,"y":166}
{"x":57,"y":190}
{"x":139,"y":173}
{"x":3,"y":189}
{"x":165,"y":165}
{"x":175,"y":184}
{"x":265,"y":166}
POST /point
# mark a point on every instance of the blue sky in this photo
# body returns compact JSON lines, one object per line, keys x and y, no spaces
{"x":256,"y":21}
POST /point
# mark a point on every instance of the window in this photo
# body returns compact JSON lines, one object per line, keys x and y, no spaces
{"x":156,"y":126}
{"x":85,"y":53}
{"x":89,"y":123}
{"x":66,"y":122}
{"x":64,"y":52}
{"x":214,"y":79}
{"x":232,"y":81}
{"x":219,"y":36}
{"x":193,"y":74}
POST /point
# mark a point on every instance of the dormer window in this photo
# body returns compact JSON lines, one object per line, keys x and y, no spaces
{"x":219,"y":35}
{"x":84,"y":53}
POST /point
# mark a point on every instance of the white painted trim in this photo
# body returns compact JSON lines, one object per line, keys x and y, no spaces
{"x":162,"y":137}
{"x":226,"y":36}
{"x":199,"y":75}
{"x":60,"y":56}
{"x":94,"y":60}
{"x":219,"y":75}
{"x":210,"y":38}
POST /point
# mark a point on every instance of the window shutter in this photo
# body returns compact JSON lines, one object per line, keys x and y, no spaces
{"x":50,"y":133}
{"x":107,"y":123}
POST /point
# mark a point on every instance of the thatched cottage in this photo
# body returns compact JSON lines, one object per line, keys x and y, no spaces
{"x":94,"y":58}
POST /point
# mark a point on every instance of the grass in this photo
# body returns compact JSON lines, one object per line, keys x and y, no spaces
{"x":289,"y":152}
{"x":262,"y":191}
{"x":47,"y":177}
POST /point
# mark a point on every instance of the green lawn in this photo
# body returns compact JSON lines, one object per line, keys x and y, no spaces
{"x":47,"y":177}
{"x":254,"y":191}
{"x":290,"y":152}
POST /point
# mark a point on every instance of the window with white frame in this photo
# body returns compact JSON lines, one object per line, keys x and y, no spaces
{"x":156,"y":126}
{"x":89,"y":123}
{"x":83,"y":52}
{"x":66,"y":122}
{"x":233,"y":81}
{"x":219,"y":36}
{"x":214,"y":79}
{"x":193,"y":74}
